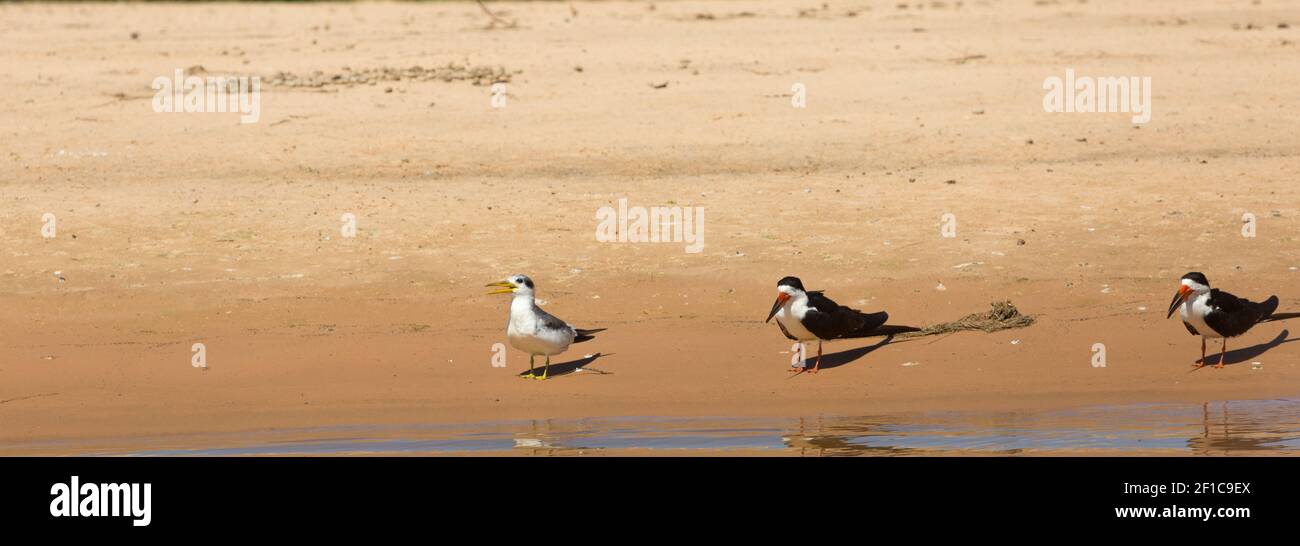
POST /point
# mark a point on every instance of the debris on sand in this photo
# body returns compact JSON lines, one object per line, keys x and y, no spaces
{"x":348,"y":77}
{"x":706,"y":16}
{"x":499,"y":22}
{"x":967,"y":58}
{"x":1003,"y":315}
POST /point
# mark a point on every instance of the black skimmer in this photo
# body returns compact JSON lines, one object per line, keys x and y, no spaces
{"x":806,"y":316}
{"x":1210,"y":312}
{"x":533,"y":330}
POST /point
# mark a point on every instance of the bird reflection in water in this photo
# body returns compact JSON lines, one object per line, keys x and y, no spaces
{"x":814,"y":438}
{"x":1224,"y":432}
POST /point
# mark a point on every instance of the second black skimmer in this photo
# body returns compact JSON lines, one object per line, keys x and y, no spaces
{"x":807,"y":316}
{"x":533,"y":330}
{"x":1210,"y":312}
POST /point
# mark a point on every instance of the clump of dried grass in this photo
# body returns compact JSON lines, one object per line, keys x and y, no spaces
{"x":1002,"y":316}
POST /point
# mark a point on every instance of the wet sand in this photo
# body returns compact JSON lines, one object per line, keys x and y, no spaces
{"x":180,"y":229}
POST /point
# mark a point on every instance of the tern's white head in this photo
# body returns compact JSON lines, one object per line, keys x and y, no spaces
{"x":1192,"y":284}
{"x":519,"y":285}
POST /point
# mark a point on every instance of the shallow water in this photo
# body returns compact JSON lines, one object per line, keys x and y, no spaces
{"x":1254,"y":427}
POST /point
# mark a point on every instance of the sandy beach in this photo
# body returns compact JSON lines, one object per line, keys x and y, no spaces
{"x":176,"y":229}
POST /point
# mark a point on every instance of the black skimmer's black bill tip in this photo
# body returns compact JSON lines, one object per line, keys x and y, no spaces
{"x":1179,"y":298}
{"x":780,"y":300}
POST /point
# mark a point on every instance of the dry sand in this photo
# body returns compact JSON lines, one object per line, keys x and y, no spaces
{"x":175,"y":229}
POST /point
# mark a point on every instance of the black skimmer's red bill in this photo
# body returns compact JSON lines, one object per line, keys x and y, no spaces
{"x":533,"y":330}
{"x":806,"y":316}
{"x":1210,"y":312}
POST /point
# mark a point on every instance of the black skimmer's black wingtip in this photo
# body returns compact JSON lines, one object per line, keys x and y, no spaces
{"x":1269,"y":311}
{"x":1267,"y":308}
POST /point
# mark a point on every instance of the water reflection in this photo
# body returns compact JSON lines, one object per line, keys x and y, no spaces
{"x":815,"y":437}
{"x":1217,"y":428}
{"x":1226,"y":430}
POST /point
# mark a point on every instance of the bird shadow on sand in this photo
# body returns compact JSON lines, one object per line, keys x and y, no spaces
{"x":568,"y":368}
{"x":1237,"y":356}
{"x":835,"y":360}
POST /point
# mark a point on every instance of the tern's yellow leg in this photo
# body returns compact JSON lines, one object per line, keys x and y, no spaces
{"x":530,"y":369}
{"x":547,"y":369}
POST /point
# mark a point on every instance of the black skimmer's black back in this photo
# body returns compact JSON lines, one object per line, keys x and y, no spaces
{"x":806,"y":316}
{"x":1210,"y":312}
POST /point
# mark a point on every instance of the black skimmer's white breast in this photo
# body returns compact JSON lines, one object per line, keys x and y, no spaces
{"x":1210,"y":312}
{"x":806,"y":316}
{"x":533,"y":330}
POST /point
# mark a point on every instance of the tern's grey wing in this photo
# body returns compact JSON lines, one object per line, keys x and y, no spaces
{"x":549,"y":321}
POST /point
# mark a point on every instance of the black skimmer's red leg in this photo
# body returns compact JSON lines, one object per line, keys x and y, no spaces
{"x":1210,"y":312}
{"x":806,"y":316}
{"x":817,"y":365}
